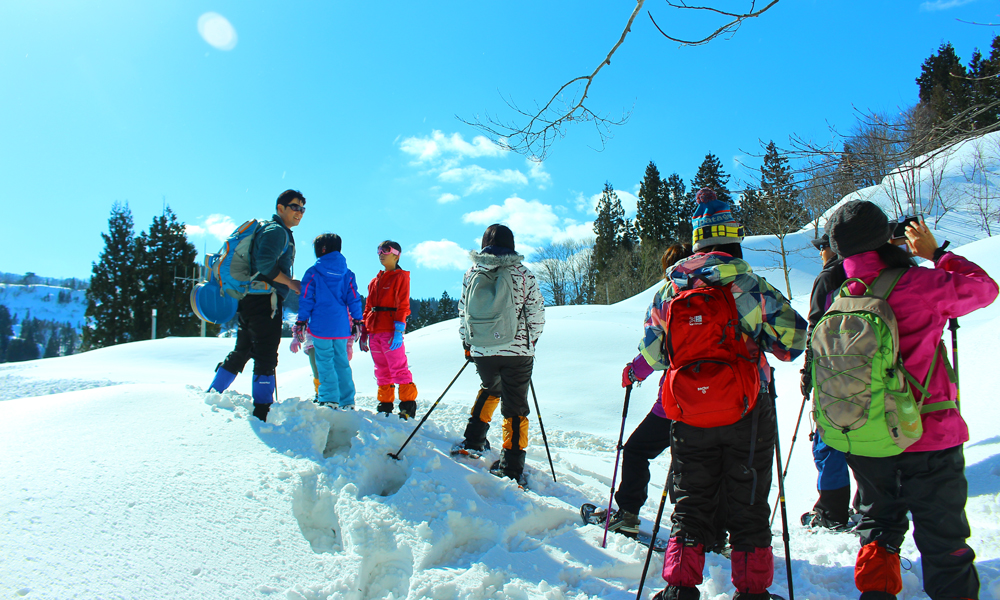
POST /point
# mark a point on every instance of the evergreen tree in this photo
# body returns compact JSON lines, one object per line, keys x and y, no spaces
{"x":652,"y":217}
{"x":161,"y":255}
{"x":447,"y":308}
{"x":679,"y":208}
{"x":67,"y":340}
{"x":21,"y":349}
{"x":777,"y":209}
{"x":113,"y":287}
{"x":944,"y":85}
{"x":52,"y":346}
{"x":6,"y":331}
{"x":608,"y":227}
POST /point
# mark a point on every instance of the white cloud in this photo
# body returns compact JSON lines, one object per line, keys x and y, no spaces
{"x":446,"y":198}
{"x":589,"y":205}
{"x":438,"y":145}
{"x":217,"y":226}
{"x":538,"y":175}
{"x":217,"y":31}
{"x":478,"y":179}
{"x":933,"y":5}
{"x":443,"y":254}
{"x":530,"y":220}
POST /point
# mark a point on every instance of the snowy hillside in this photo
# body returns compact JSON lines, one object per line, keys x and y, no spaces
{"x":42,"y":301}
{"x":124,"y":479}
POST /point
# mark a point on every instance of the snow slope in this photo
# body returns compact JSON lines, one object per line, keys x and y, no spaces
{"x":124,"y":479}
{"x":41,"y":302}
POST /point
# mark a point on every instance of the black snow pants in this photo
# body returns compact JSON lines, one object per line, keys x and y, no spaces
{"x":733,"y":462}
{"x":646,"y":443}
{"x":507,"y":378}
{"x":932,"y":487}
{"x":257,"y":337}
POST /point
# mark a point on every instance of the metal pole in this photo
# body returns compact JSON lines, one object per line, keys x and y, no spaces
{"x":154,"y":324}
{"x":395,"y":455}
{"x":542,"y":427}
{"x":614,"y":474}
{"x":788,"y":459}
{"x":652,"y":540}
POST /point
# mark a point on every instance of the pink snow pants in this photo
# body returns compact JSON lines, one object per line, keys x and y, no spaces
{"x":390,"y":365}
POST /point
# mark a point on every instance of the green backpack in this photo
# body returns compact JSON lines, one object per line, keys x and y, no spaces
{"x":863,"y":400}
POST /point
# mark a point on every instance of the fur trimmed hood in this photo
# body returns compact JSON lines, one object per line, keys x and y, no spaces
{"x":493,"y":261}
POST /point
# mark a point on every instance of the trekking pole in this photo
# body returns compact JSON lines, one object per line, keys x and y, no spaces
{"x":429,"y":411}
{"x":542,"y":427}
{"x":652,"y":541}
{"x":781,"y":490}
{"x":953,"y":326}
{"x":614,"y":474}
{"x":791,"y":447}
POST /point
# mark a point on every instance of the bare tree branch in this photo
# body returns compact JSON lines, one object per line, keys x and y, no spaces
{"x":531,"y":132}
{"x":729,"y":28}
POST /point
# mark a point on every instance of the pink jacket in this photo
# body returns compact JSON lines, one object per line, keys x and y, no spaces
{"x":923,"y":301}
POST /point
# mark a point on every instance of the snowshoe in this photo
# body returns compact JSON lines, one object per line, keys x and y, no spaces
{"x":815,"y":520}
{"x":460,"y":449}
{"x":522,"y":481}
{"x":622,"y":521}
{"x":587,"y":512}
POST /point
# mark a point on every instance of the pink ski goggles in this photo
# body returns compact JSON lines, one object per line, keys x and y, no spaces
{"x":383,"y":250}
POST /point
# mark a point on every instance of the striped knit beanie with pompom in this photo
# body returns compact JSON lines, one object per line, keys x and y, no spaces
{"x":713,"y":223}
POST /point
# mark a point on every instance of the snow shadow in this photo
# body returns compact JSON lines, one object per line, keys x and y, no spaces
{"x":984,"y":476}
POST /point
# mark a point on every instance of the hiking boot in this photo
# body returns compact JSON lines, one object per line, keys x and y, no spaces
{"x":518,"y":478}
{"x":622,"y":521}
{"x":464,"y":449}
{"x":676,"y":592}
{"x":815,"y":519}
{"x":408,"y":408}
{"x":385,"y":408}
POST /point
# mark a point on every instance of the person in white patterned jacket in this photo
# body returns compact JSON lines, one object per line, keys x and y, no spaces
{"x":505,"y":369}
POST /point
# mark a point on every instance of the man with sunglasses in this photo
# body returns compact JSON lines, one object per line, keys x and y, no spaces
{"x":833,"y":483}
{"x":272,"y":256}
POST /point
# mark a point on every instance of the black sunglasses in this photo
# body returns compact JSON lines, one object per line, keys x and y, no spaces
{"x":296,"y":207}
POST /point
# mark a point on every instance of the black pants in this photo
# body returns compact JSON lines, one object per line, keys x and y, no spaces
{"x":508,"y":378}
{"x":646,"y":443}
{"x":710,"y":465}
{"x":257,"y":337}
{"x":933,"y":488}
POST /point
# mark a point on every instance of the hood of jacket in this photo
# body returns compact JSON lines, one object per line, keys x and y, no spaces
{"x":333,"y":264}
{"x":493,"y":261}
{"x":716,"y":267}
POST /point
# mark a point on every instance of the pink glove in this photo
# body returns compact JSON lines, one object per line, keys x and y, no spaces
{"x":296,"y":345}
{"x":628,"y":376}
{"x":363,"y":342}
{"x":299,"y":331}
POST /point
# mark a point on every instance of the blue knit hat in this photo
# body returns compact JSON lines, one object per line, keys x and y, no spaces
{"x":713,"y":223}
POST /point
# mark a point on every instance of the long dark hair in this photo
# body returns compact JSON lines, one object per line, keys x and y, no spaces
{"x":673,"y":254}
{"x":895,"y":257}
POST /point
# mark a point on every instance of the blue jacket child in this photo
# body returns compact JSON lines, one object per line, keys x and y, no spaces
{"x":328,"y":304}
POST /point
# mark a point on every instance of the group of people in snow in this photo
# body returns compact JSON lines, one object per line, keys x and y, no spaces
{"x":707,"y":329}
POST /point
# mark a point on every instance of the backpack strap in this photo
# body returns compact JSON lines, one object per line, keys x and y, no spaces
{"x":885,"y":283}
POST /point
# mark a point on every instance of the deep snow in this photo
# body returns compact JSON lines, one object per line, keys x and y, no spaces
{"x":123,"y":479}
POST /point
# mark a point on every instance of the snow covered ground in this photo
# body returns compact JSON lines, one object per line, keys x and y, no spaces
{"x":123,"y":479}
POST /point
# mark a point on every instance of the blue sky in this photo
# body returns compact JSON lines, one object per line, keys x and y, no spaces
{"x":355,"y":105}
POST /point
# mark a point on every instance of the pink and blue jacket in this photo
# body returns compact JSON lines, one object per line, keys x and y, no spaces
{"x":329,"y":295}
{"x":923,"y":301}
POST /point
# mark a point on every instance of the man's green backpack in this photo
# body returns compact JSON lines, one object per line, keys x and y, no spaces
{"x":863,"y":400}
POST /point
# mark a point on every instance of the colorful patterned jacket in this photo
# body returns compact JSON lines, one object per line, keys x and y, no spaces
{"x":766,"y":318}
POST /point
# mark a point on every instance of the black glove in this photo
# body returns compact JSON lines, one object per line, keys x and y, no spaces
{"x":468,"y":351}
{"x":806,"y":380}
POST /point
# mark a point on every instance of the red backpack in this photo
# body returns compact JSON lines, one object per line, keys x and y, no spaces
{"x":712,"y":380}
